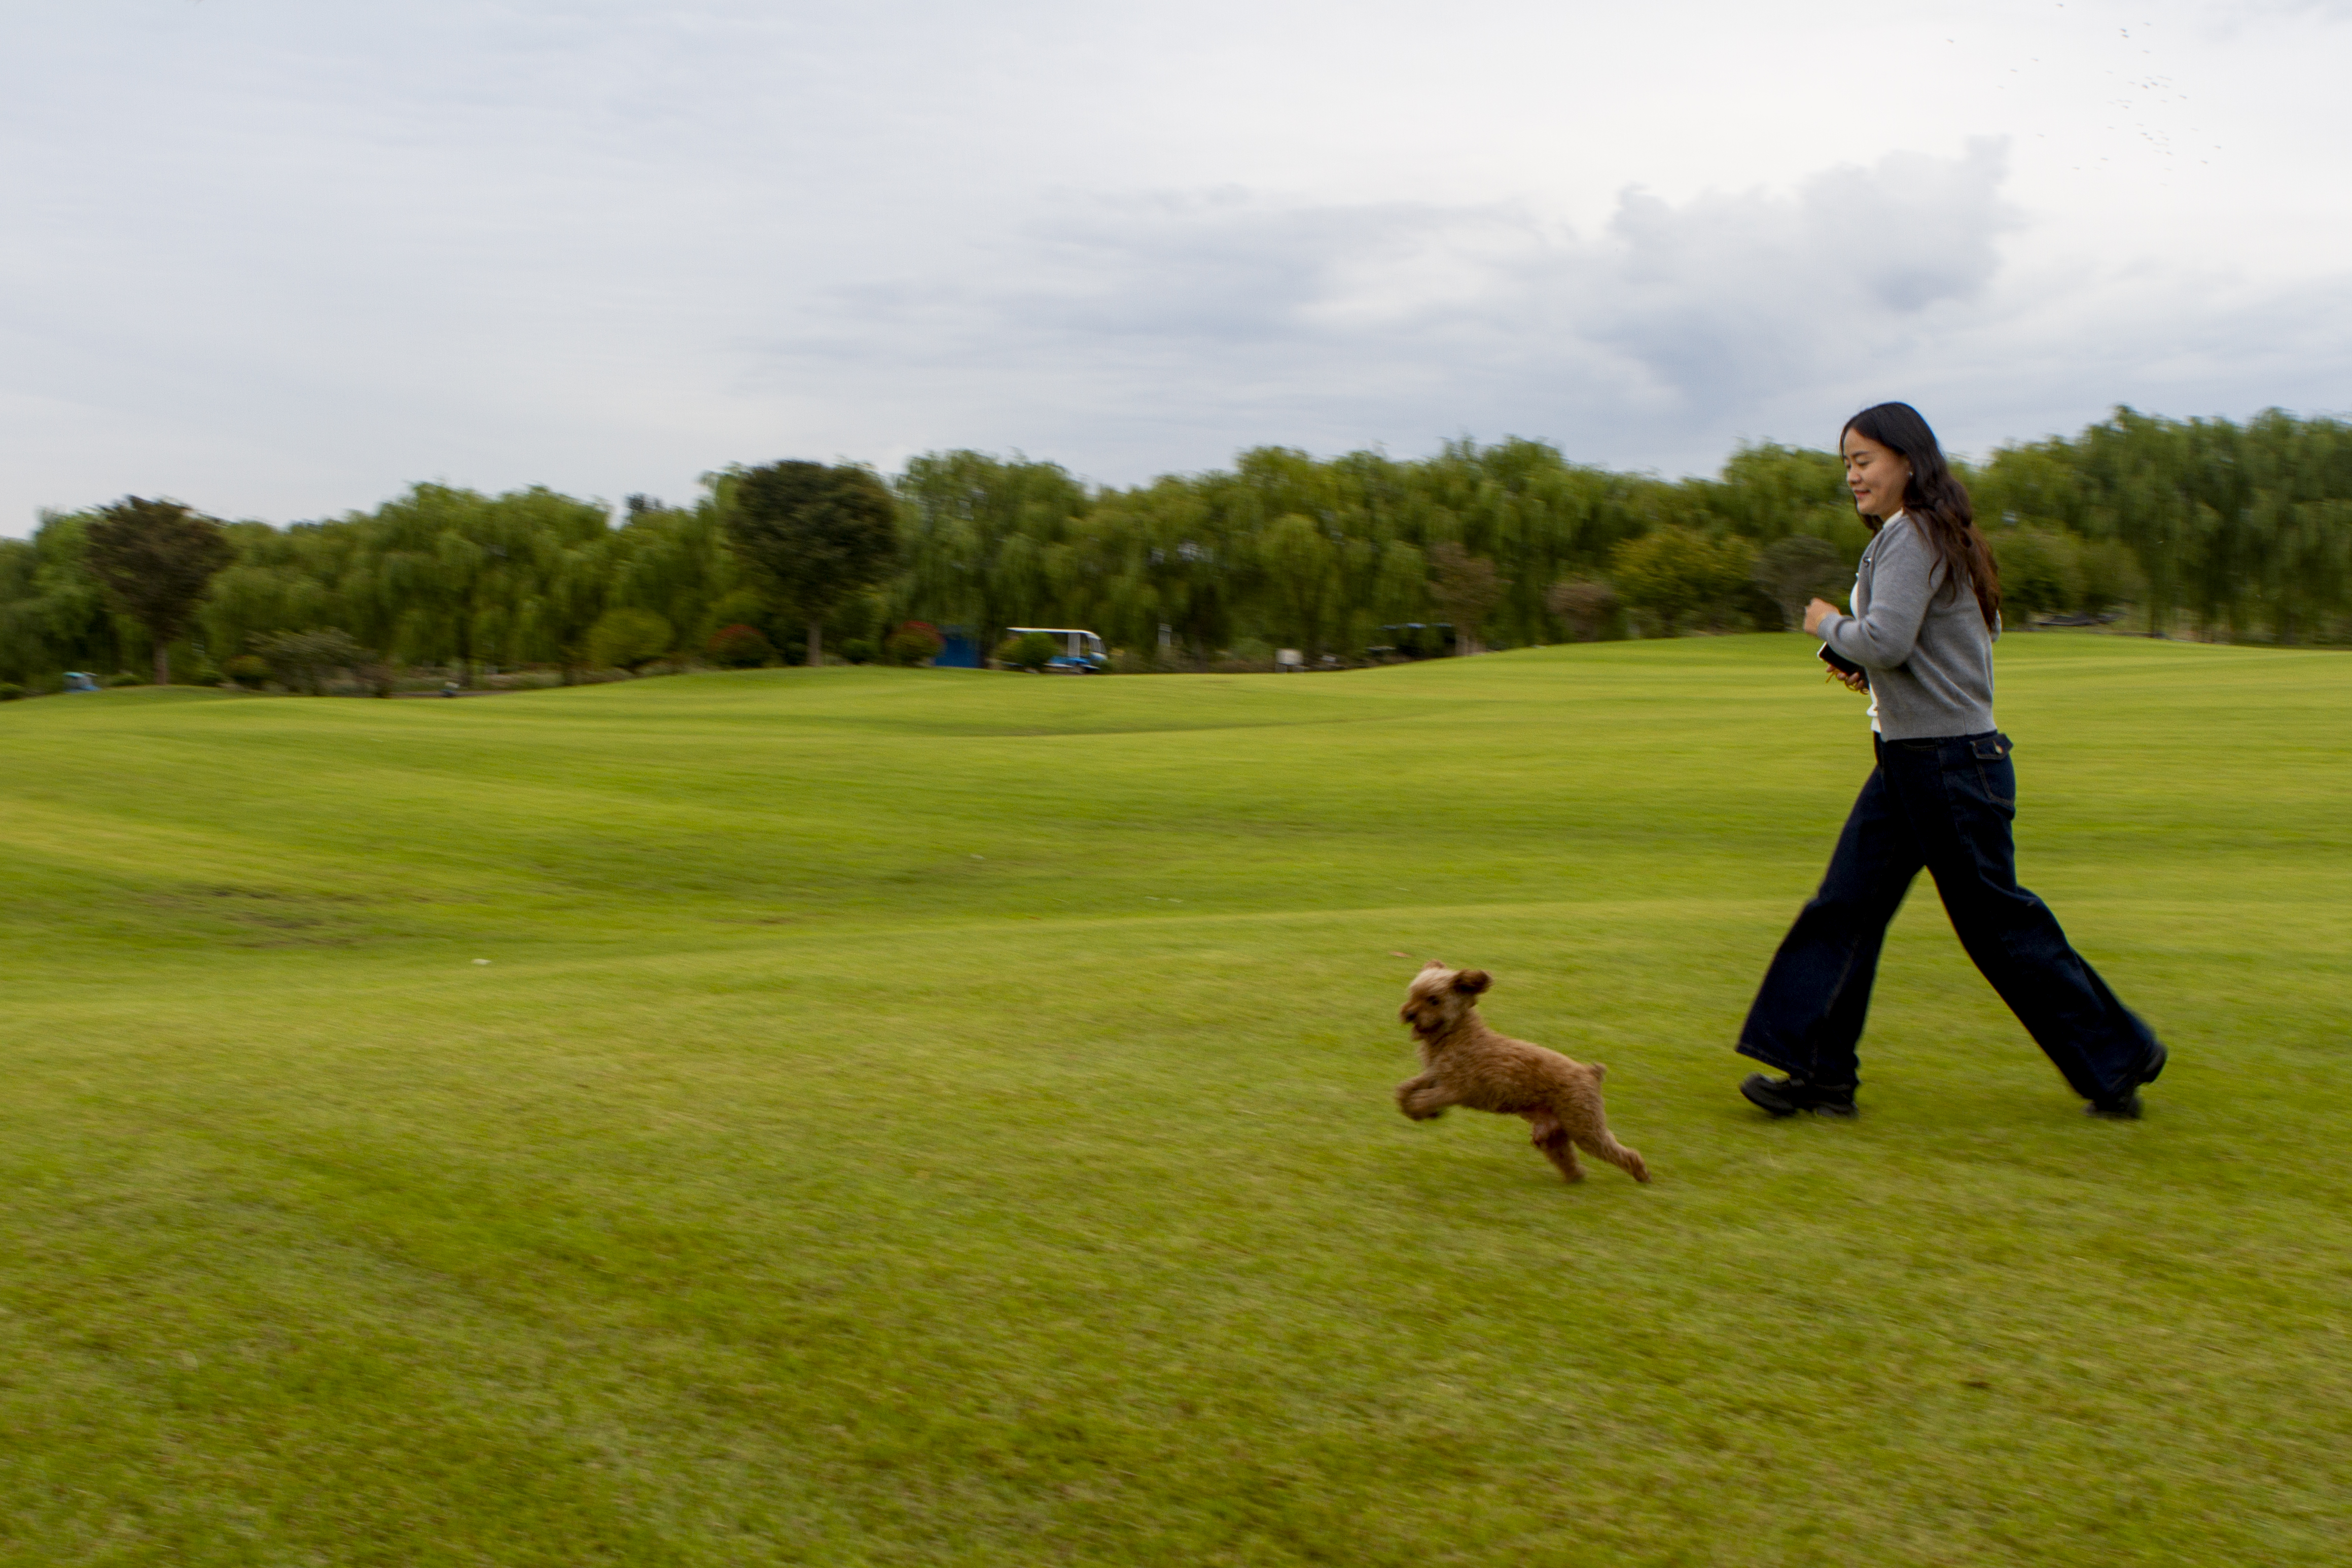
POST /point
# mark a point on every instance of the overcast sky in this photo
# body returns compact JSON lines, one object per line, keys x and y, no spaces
{"x":279,"y":258}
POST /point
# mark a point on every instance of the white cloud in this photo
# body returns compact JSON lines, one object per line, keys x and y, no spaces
{"x":1169,"y":329}
{"x":281,"y":258}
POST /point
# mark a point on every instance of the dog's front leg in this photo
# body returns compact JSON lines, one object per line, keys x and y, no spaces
{"x":1424,"y":1099}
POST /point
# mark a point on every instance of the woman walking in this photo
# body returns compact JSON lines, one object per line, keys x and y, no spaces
{"x":1926,"y":608}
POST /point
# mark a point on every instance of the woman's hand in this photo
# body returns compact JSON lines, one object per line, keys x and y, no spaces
{"x":1817,"y":611}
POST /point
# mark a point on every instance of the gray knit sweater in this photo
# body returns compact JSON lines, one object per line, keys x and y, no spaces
{"x":1924,"y":643}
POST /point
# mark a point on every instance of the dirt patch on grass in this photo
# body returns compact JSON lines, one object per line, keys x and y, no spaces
{"x":267,"y":917}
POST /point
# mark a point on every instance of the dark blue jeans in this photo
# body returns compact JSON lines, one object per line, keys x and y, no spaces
{"x":1945,"y":804}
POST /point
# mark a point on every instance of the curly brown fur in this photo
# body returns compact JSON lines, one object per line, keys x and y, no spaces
{"x":1463,"y":1062}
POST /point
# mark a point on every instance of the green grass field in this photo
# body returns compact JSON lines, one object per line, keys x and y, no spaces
{"x":943,"y":1118}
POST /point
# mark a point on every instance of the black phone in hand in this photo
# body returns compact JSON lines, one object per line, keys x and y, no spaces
{"x":1838,"y":661}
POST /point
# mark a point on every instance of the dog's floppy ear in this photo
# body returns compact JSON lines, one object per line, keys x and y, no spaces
{"x":1471,"y":982}
{"x":1434,"y":963}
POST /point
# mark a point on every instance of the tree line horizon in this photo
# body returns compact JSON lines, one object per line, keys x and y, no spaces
{"x":2203,"y":527}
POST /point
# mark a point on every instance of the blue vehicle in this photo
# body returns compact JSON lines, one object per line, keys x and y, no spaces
{"x":1083,"y":653}
{"x":80,"y":681}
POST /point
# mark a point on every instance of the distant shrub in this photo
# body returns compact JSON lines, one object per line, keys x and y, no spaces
{"x":122,"y":677}
{"x":916,"y":642}
{"x":1467,"y":587}
{"x":1252,"y":650}
{"x":1675,"y":574}
{"x":307,"y":660}
{"x":1032,"y":651}
{"x":857,"y":650}
{"x":1794,"y":572}
{"x":628,"y":639}
{"x":2109,"y":575}
{"x":10,"y":691}
{"x":1586,"y":605}
{"x":2040,"y":571}
{"x":740,"y":646}
{"x":247,"y":669}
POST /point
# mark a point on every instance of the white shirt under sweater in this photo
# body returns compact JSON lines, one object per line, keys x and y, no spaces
{"x":1849,"y":595}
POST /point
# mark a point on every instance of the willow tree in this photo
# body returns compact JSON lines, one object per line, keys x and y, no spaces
{"x":987,"y":540}
{"x":53,"y":614}
{"x":1302,"y":580}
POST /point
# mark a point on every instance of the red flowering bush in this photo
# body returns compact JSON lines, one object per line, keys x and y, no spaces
{"x":740,"y":646}
{"x":916,"y":642}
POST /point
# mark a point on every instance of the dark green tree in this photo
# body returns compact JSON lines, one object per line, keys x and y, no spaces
{"x":155,"y":559}
{"x":817,"y":533}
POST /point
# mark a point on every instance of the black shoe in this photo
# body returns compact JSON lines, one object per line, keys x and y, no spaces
{"x":2125,"y":1107}
{"x":1787,"y":1096}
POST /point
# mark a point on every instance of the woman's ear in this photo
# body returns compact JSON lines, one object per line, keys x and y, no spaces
{"x":1471,"y":982}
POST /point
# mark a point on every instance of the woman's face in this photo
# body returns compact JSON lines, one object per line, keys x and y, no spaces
{"x":1876,"y":475}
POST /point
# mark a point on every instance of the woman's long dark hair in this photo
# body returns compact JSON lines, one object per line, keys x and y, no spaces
{"x":1935,"y":499}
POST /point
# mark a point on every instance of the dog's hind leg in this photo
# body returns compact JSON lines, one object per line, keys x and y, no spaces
{"x":1551,"y":1141}
{"x":1602,"y":1144}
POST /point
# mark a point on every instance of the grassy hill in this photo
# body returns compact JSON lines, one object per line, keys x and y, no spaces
{"x":943,"y":1118}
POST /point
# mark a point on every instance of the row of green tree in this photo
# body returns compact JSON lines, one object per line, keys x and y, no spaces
{"x":2205,"y":526}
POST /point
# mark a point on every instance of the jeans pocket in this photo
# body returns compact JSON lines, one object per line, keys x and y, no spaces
{"x":1996,"y":775}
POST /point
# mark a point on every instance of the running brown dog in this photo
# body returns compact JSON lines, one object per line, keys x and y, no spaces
{"x":1463,"y":1062}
